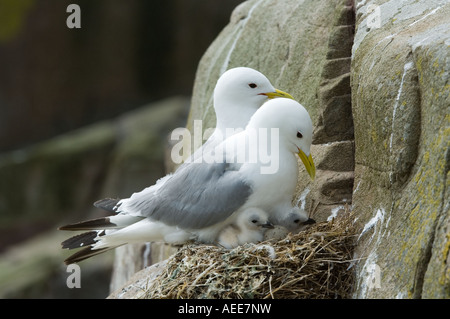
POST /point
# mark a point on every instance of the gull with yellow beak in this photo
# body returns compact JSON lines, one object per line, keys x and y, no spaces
{"x":239,"y":92}
{"x":200,"y":199}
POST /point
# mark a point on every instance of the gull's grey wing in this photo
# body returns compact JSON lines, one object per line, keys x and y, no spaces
{"x":197,"y":195}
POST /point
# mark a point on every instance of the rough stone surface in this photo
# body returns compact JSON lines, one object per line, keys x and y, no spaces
{"x":400,"y":93}
{"x":333,"y":147}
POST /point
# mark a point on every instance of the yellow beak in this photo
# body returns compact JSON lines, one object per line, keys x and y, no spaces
{"x":308,"y":162}
{"x":278,"y":93}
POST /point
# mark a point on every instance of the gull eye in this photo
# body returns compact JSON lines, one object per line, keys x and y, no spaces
{"x":299,"y":135}
{"x":254,"y":221}
{"x":297,"y":221}
{"x":252,"y":85}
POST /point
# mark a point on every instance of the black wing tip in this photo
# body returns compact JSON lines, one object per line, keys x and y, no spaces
{"x":92,"y":224}
{"x":66,"y":227}
{"x":86,"y":253}
{"x":81,"y":240}
{"x":79,"y":256}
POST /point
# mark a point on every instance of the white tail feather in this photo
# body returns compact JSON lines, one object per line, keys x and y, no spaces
{"x":142,"y":231}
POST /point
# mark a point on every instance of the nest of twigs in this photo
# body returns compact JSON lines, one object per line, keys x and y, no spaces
{"x":311,"y":264}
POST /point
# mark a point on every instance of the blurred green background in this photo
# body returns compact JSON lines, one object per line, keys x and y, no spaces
{"x":85,"y":114}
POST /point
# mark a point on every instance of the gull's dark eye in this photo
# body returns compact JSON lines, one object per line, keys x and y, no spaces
{"x":297,"y":221}
{"x":299,"y":135}
{"x":252,"y":85}
{"x":254,"y":221}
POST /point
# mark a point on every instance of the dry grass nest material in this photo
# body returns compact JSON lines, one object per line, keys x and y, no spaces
{"x":311,"y":264}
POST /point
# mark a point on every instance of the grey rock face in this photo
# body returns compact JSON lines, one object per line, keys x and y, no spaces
{"x":400,"y":98}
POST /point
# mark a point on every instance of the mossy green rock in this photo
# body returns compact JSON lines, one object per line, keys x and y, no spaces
{"x":401,"y":107}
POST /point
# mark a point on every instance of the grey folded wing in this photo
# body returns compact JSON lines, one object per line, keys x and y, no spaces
{"x":196,"y":196}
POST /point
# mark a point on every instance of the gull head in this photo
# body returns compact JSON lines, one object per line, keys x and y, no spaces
{"x":239,"y":92}
{"x":294,"y":124}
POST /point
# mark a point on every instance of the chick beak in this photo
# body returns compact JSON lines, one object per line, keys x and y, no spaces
{"x":310,"y":221}
{"x":267,"y":225}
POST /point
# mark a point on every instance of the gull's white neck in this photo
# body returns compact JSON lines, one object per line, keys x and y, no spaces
{"x":232,"y":119}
